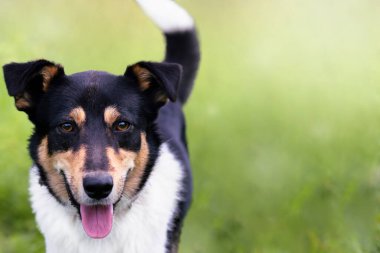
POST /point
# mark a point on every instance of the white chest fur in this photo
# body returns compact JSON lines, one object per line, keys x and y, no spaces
{"x":141,"y":229}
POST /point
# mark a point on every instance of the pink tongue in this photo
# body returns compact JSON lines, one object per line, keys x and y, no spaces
{"x":97,"y":220}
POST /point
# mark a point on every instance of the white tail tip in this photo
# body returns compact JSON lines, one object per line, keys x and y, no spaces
{"x":168,"y":16}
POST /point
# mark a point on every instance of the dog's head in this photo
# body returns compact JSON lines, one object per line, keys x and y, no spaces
{"x":94,"y":132}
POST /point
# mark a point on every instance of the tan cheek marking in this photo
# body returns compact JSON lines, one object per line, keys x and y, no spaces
{"x":55,"y":180}
{"x":141,"y":161}
{"x":48,"y":73}
{"x":70,"y":162}
{"x":111,"y":114}
{"x":143,"y":75}
{"x":78,"y":115}
{"x":119,"y":163}
{"x":122,"y":161}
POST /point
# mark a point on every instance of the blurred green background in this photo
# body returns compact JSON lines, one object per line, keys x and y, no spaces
{"x":283,"y":125}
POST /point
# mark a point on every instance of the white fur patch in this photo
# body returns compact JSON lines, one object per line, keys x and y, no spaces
{"x":140,"y":229}
{"x":168,"y":15}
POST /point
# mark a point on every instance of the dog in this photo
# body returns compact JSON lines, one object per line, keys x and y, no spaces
{"x":111,"y":169}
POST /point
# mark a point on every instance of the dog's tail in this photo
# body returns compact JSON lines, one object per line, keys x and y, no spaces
{"x":182,"y":44}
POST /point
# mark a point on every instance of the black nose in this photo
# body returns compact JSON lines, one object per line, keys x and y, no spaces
{"x":98,"y":187}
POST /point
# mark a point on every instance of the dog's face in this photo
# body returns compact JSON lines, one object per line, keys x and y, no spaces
{"x":93,"y":139}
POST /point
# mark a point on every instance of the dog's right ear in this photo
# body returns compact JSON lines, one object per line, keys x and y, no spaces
{"x":27,"y":82}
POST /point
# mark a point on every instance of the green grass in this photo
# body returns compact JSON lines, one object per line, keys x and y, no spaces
{"x":283,"y":125}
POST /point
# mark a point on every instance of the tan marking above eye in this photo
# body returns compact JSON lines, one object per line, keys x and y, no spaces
{"x":111,"y":114}
{"x":78,"y":115}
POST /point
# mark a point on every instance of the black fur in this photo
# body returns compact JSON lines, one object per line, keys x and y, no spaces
{"x":183,"y":48}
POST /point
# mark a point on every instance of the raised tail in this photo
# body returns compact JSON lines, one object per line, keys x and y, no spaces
{"x":182,"y":44}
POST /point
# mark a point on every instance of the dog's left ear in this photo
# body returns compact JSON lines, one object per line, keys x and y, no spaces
{"x":160,"y":81}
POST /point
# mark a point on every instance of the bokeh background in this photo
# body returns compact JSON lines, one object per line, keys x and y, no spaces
{"x":283,"y":124}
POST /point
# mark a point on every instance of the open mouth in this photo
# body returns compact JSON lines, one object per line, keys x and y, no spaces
{"x":97,"y":220}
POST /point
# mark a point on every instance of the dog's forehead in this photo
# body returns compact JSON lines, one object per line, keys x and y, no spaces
{"x":92,"y":77}
{"x":96,"y":86}
{"x":93,"y":91}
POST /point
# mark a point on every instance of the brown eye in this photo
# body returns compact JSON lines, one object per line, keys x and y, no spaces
{"x":67,"y":127}
{"x":122,"y":126}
